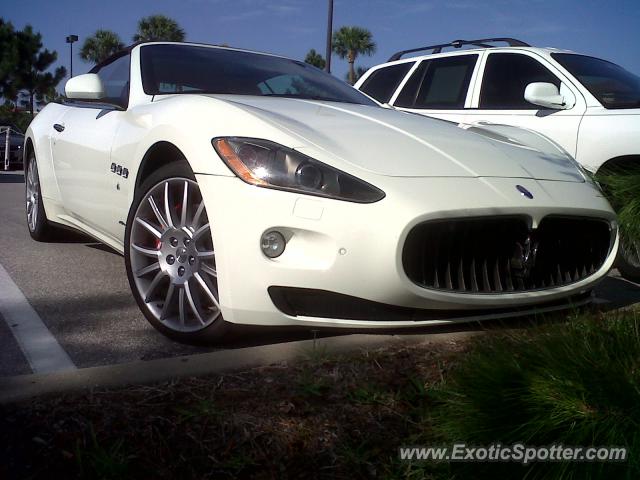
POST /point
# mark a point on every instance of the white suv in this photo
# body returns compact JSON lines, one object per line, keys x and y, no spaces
{"x":589,"y":106}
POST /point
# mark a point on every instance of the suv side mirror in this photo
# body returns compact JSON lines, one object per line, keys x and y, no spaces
{"x":545,"y":95}
{"x":84,"y":87}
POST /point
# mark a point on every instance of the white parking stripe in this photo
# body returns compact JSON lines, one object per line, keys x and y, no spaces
{"x":41,"y":349}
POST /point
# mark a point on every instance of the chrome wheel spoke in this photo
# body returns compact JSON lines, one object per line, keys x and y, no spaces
{"x":181,"y":306}
{"x":206,"y":289}
{"x":156,"y":212}
{"x":185,"y":198}
{"x":167,"y":208}
{"x":198,"y":214}
{"x":206,"y":254}
{"x":192,"y":304}
{"x":149,"y":252}
{"x":198,"y":233}
{"x":167,"y":302}
{"x":148,"y":269}
{"x":150,"y":228}
{"x":153,"y":285}
{"x":210,"y":270}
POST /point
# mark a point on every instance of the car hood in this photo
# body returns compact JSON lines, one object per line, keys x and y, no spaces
{"x":399,"y":144}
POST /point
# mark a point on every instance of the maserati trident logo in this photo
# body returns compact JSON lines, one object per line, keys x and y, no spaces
{"x":524,"y":192}
{"x":524,"y":257}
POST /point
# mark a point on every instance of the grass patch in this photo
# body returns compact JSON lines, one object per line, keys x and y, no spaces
{"x":576,"y":383}
{"x":96,"y":461}
{"x":622,"y":186}
{"x":333,"y":417}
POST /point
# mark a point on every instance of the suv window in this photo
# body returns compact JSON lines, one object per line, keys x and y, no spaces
{"x":383,"y":82}
{"x":439,"y":83}
{"x":115,"y":78}
{"x":611,"y":84}
{"x":506,"y":76}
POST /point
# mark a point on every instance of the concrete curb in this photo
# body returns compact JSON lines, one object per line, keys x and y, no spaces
{"x":24,"y":387}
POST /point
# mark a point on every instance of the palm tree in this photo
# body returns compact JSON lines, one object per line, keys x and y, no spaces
{"x":360,"y":71}
{"x":349,"y":42}
{"x":158,"y":28}
{"x":100,"y":46}
{"x":315,"y":59}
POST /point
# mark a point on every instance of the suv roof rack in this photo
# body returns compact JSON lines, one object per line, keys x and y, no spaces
{"x":482,"y":42}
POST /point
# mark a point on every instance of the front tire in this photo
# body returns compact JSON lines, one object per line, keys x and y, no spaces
{"x":170,"y":258}
{"x":37,"y":222}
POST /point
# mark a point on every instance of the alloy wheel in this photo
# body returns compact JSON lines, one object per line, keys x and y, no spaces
{"x":631,"y":252}
{"x":32,"y":194}
{"x":172,"y":256}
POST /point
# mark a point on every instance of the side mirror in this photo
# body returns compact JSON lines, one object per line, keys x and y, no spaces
{"x":545,"y":95}
{"x":84,"y":87}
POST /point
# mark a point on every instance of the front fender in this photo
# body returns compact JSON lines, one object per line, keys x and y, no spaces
{"x":189,"y":123}
{"x":39,"y":132}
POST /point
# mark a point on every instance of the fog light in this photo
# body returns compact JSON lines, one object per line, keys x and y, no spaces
{"x":272,"y":244}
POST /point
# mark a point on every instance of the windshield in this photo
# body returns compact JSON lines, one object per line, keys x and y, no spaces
{"x":171,"y":69}
{"x":612,"y":85}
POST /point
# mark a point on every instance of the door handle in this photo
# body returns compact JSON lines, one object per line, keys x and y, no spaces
{"x":58,"y":127}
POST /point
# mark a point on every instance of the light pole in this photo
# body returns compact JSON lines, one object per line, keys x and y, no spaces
{"x":70,"y":40}
{"x":329,"y":35}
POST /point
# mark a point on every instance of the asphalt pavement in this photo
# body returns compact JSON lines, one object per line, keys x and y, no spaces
{"x":79,"y":290}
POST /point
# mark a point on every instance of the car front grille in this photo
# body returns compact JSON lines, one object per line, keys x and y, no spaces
{"x":502,"y":254}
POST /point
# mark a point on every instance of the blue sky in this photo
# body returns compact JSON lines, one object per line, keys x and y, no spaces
{"x":608,"y":29}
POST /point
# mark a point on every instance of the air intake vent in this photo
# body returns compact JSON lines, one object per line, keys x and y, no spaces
{"x":501,"y":254}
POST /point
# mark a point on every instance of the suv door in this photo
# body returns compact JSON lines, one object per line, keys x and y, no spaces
{"x":82,"y":150}
{"x":500,"y":97}
{"x":439,"y":87}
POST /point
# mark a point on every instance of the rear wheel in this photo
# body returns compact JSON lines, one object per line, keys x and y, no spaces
{"x":170,"y":258}
{"x":39,"y":227}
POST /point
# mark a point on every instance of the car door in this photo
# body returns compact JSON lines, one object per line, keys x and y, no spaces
{"x":439,"y":87}
{"x":81,"y":147}
{"x":499,"y":97}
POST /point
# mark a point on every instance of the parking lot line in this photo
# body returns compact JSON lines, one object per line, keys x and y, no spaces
{"x":40,"y":348}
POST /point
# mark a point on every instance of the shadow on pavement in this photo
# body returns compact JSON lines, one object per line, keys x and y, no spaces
{"x":87,"y":326}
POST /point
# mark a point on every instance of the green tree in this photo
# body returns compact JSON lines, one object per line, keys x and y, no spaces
{"x":350,"y":42}
{"x":8,"y":59}
{"x":158,"y":28}
{"x":360,"y":71}
{"x":100,"y":46}
{"x":32,"y":75}
{"x":315,"y":59}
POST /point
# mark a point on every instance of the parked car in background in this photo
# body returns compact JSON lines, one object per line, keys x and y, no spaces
{"x":250,"y":188}
{"x":16,"y":142}
{"x":588,"y":106}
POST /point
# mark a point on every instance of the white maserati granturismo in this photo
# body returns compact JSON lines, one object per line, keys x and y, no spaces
{"x":247,"y":188}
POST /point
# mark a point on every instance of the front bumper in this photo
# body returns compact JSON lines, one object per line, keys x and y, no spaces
{"x":356,"y":249}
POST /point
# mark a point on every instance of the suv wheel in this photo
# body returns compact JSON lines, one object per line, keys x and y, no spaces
{"x":628,"y":261}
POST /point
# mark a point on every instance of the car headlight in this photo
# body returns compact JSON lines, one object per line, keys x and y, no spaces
{"x":268,"y":164}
